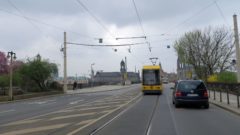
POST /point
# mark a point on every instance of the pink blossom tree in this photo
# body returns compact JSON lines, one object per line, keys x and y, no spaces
{"x":3,"y":63}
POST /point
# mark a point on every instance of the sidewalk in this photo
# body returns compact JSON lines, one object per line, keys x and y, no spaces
{"x":99,"y":89}
{"x":232,"y":106}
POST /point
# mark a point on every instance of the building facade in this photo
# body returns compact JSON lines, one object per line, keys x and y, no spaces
{"x":108,"y":78}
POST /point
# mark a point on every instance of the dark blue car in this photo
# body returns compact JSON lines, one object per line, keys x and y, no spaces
{"x":190,"y":92}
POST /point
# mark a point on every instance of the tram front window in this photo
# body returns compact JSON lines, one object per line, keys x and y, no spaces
{"x":151,"y":77}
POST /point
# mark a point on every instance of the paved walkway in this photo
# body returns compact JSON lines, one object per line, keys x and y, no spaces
{"x":232,"y":106}
{"x":99,"y":89}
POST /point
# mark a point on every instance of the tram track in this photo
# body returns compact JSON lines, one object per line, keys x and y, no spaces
{"x":149,"y":121}
{"x":127,"y":107}
{"x":149,"y":125}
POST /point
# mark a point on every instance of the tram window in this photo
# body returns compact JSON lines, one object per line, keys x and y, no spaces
{"x":151,"y":77}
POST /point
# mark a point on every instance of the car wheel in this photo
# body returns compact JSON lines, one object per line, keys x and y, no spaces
{"x":177,"y":105}
{"x":206,"y":106}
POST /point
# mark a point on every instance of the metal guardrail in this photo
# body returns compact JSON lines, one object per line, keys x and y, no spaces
{"x":225,"y":89}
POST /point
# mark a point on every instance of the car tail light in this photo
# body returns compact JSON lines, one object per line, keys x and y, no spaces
{"x":178,"y":93}
{"x":205,"y":93}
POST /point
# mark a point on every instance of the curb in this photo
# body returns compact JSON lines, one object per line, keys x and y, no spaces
{"x":225,"y":107}
{"x":40,"y":97}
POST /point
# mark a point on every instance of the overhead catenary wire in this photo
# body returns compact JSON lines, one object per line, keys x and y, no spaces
{"x":94,"y":17}
{"x":139,"y":18}
{"x":110,"y":45}
{"x":131,"y":37}
{"x":141,"y":25}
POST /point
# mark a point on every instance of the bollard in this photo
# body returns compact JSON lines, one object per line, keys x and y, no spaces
{"x":214,"y":96}
{"x":238,"y":104}
{"x":220,"y":95}
{"x":209,"y":93}
{"x":228,"y":96}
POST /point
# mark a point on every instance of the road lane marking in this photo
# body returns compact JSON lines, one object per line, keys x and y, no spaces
{"x":106,"y":103}
{"x":21,"y":122}
{"x":7,"y":111}
{"x":75,"y":102}
{"x":72,"y":116}
{"x":42,"y":102}
{"x":54,"y":112}
{"x":115,"y":100}
{"x":149,"y":130}
{"x":85,"y":122}
{"x":85,"y":109}
{"x":31,"y":130}
{"x":94,"y":121}
{"x":172,"y":115}
{"x":98,"y":107}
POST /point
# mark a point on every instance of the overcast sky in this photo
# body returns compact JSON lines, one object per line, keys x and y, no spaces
{"x":29,"y":27}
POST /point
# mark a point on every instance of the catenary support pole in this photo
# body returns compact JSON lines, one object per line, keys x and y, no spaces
{"x":65,"y":63}
{"x":237,"y":46}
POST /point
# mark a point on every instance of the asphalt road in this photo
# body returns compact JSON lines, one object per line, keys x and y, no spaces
{"x":65,"y":114}
{"x":155,"y":115}
{"x":113,"y":113}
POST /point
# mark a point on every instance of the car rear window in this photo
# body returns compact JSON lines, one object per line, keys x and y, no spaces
{"x":191,"y":85}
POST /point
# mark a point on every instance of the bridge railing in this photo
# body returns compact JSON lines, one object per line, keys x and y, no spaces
{"x":225,"y":92}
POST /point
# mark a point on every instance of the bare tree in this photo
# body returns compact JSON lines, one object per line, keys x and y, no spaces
{"x":208,"y":51}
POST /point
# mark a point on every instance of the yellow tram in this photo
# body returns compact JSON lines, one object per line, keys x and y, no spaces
{"x":151,"y":79}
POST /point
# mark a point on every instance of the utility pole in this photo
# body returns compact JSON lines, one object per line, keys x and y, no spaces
{"x":237,"y":45}
{"x":65,"y":63}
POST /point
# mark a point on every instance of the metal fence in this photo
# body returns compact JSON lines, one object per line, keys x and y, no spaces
{"x":230,"y":92}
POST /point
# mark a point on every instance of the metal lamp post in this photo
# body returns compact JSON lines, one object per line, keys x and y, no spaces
{"x":12,"y":57}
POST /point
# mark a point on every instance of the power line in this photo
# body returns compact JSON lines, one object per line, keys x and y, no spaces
{"x":95,"y":18}
{"x":44,"y":23}
{"x":27,"y":19}
{"x":91,"y":45}
{"x":189,"y":18}
{"x":221,"y":13}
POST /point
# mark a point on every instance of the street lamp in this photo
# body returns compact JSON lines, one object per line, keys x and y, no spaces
{"x":12,"y":57}
{"x":92,"y":73}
